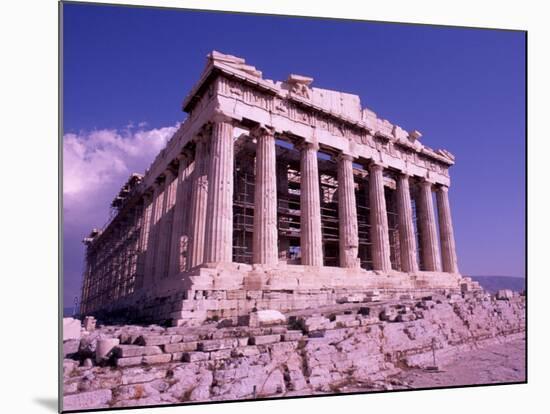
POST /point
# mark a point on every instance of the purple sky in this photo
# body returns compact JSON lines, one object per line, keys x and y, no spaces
{"x":126,"y":72}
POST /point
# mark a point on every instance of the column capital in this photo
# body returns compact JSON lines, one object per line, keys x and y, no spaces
{"x":221,"y":117}
{"x":169,"y":173}
{"x":423,"y":182}
{"x":375,"y":165}
{"x":203,"y":134}
{"x":344,"y":157}
{"x":443,"y":188}
{"x":185,"y":155}
{"x":148,"y":194}
{"x":305,"y":145}
{"x":261,"y":129}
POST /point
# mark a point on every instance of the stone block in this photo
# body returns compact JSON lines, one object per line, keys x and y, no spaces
{"x":215,"y":344}
{"x":180,"y":347}
{"x":125,"y":351}
{"x":84,"y":400}
{"x":89,"y":323}
{"x":177,"y":356}
{"x":292,"y":335}
{"x":265,"y":339}
{"x":245,"y":351}
{"x":186,"y":315}
{"x":195,"y":356}
{"x":157,"y":359}
{"x":71,"y":329}
{"x":152,"y":340}
{"x":254,"y":294}
{"x":104,"y":347}
{"x":128,"y":362}
{"x":504,"y":294}
{"x":70,"y":347}
{"x":266,"y":318}
{"x":371,"y":320}
{"x":344,"y":321}
{"x":315,"y":323}
{"x":352,"y":298}
{"x":235,"y":294}
{"x":243,"y":341}
{"x":220,"y":354}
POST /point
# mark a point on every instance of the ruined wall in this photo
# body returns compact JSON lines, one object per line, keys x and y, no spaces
{"x":362,"y":346}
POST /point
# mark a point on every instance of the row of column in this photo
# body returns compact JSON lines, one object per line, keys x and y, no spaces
{"x":211,"y":209}
{"x":379,"y":230}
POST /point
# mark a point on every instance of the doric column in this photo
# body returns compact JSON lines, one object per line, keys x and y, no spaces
{"x":145,"y":221}
{"x":446,"y":233}
{"x":199,"y":197}
{"x":180,"y":207}
{"x":407,"y":239}
{"x":219,"y":213}
{"x":347,"y":213}
{"x":380,"y":238}
{"x":311,"y":245}
{"x":428,"y":230}
{"x":151,"y":245}
{"x":264,"y":246}
{"x":164,"y":226}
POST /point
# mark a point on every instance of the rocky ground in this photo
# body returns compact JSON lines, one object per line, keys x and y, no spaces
{"x":408,"y":343}
{"x":492,"y":364}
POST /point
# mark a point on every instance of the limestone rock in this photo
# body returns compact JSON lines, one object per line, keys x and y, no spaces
{"x":84,"y":400}
{"x":71,"y":329}
{"x":388,"y":314}
{"x":124,"y":351}
{"x":89,"y":323}
{"x":104,"y":348}
{"x":266,"y":318}
{"x":505,"y":294}
{"x":70,"y":347}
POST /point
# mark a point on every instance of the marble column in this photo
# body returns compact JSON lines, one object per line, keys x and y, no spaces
{"x":264,"y":245}
{"x":199,"y":198}
{"x":379,"y":232}
{"x":145,"y":221}
{"x":219,"y":213}
{"x":156,"y":206}
{"x":180,"y":209}
{"x":446,"y":233}
{"x":347,"y":213}
{"x":428,"y":231}
{"x":165,"y":226}
{"x":311,"y":244}
{"x":407,"y":239}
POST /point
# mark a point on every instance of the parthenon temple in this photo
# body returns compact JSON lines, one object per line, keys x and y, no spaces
{"x":274,"y":195}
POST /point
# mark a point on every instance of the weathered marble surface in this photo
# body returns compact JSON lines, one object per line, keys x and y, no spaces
{"x":360,"y":345}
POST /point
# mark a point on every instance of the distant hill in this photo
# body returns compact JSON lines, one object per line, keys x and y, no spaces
{"x":494,"y":283}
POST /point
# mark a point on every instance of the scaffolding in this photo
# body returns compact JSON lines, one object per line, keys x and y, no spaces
{"x":112,"y":265}
{"x":243,"y":211}
{"x":288,"y":208}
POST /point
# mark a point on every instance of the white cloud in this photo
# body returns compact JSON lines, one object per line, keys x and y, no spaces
{"x":97,"y":163}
